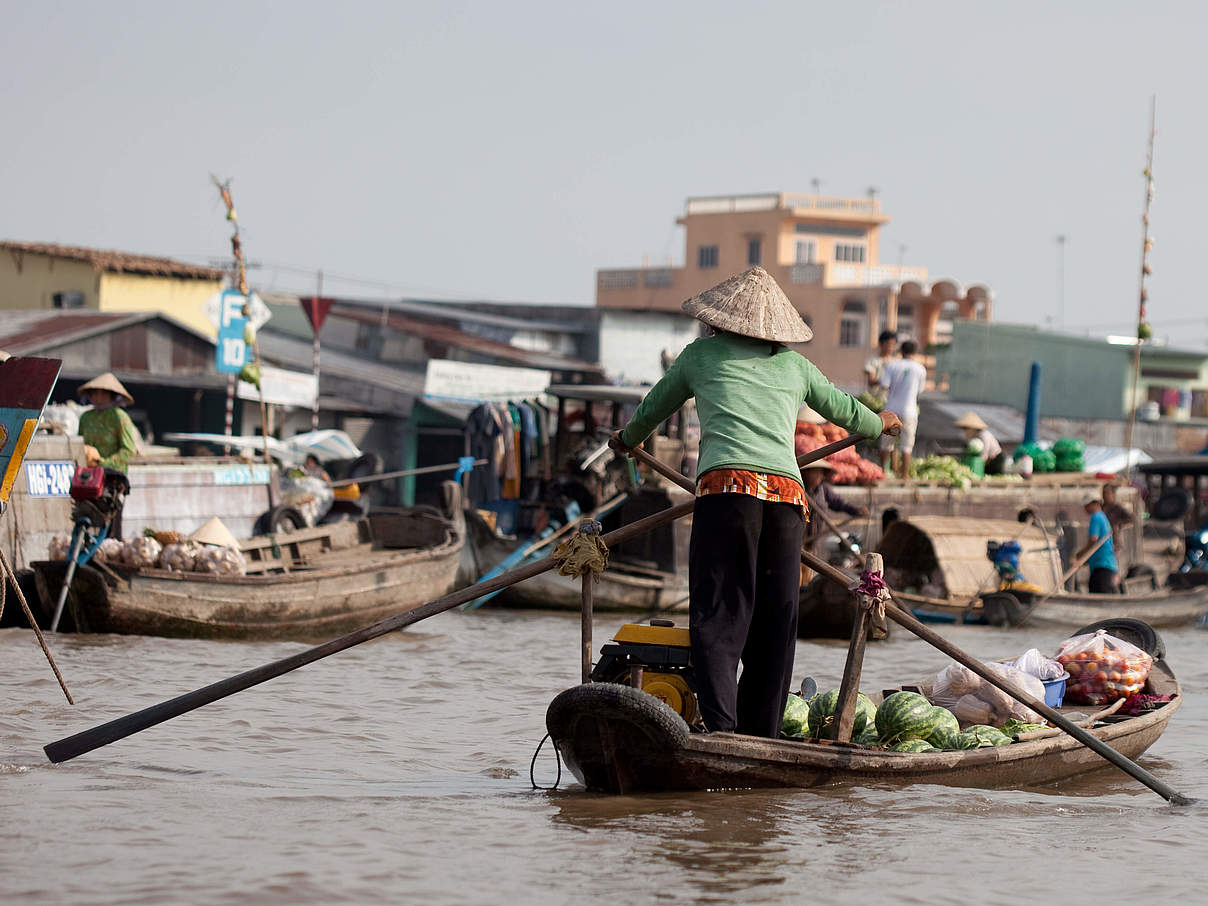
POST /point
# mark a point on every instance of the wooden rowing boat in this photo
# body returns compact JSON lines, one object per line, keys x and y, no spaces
{"x":616,"y":739}
{"x":951,"y":554}
{"x":652,"y":576}
{"x":308,"y":584}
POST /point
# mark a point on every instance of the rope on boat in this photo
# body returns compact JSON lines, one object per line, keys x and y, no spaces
{"x":584,"y":551}
{"x":533,"y":764}
{"x":873,"y":594}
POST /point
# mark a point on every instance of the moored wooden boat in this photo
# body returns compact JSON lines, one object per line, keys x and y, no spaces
{"x":326,"y":581}
{"x":951,"y":551}
{"x":616,"y":739}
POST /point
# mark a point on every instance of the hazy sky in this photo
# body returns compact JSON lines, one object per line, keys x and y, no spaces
{"x":506,"y":150}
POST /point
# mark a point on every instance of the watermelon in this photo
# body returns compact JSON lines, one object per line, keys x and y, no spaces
{"x":987,"y":735}
{"x":946,"y":729}
{"x":912,"y":745}
{"x":869,"y":737}
{"x":796,"y":720}
{"x":824,"y":720}
{"x":906,"y":715}
{"x":966,"y":741}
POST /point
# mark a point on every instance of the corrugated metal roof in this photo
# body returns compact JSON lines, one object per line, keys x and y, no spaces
{"x":298,"y":354}
{"x":440,"y":333}
{"x":30,"y":331}
{"x":116,"y":262}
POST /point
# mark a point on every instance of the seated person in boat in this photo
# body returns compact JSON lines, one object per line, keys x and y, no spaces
{"x":815,"y":475}
{"x":109,"y":434}
{"x":750,"y":511}
{"x":1102,"y":563}
{"x":992,"y":453}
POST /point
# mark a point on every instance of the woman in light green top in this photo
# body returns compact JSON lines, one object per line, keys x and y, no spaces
{"x":748,"y":521}
{"x":108,"y":432}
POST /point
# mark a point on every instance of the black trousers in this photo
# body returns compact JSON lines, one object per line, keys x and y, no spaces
{"x":1103,"y":581}
{"x":743,"y":577}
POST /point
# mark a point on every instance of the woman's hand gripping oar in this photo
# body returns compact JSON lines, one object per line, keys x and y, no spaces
{"x":102,"y":735}
{"x":900,"y":616}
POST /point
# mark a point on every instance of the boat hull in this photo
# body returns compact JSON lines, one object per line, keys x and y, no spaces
{"x":1161,"y":609}
{"x":617,"y":740}
{"x":340,"y":591}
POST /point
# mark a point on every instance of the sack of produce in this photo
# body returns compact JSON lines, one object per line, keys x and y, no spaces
{"x":59,"y":547}
{"x":221,"y":561}
{"x":141,"y":553}
{"x":975,"y":701}
{"x":796,"y":720}
{"x":1044,"y":461}
{"x":1068,"y":447}
{"x":179,"y":557}
{"x":824,"y":720}
{"x":1102,"y":668}
{"x":1033,"y":663}
{"x":109,"y":551}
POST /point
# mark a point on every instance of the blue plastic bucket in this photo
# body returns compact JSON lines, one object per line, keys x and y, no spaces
{"x":1054,"y":691}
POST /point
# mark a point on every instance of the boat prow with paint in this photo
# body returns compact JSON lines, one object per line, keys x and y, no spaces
{"x":616,"y":738}
{"x":306,"y":584}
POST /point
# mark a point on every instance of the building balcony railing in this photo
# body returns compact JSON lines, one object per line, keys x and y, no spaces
{"x":854,"y":274}
{"x":634,"y":277}
{"x":830,"y":204}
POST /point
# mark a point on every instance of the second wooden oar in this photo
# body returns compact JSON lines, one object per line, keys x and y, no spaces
{"x":102,"y":735}
{"x":903,"y":618}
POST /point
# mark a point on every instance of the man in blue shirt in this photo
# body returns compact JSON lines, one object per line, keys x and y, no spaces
{"x":1102,"y":563}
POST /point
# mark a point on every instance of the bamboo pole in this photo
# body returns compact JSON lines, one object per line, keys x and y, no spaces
{"x":1142,"y":322}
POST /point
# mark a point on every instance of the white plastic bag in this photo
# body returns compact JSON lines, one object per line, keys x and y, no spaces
{"x":109,"y":551}
{"x":1033,"y":663}
{"x":59,"y":547}
{"x":141,"y":553}
{"x":975,"y":701}
{"x":179,"y":557}
{"x":1103,"y":668}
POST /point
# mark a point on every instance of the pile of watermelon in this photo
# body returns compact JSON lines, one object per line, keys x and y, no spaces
{"x":850,"y":466}
{"x":905,"y":722}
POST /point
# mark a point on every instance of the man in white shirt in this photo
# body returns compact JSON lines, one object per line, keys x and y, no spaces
{"x":903,"y":380}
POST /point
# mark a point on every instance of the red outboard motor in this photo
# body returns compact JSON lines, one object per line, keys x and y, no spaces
{"x":99,"y":494}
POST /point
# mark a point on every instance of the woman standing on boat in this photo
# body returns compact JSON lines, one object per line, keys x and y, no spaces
{"x":750,"y":511}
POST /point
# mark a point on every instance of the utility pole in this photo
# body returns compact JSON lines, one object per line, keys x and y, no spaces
{"x":1061,"y":240}
{"x":314,"y":415}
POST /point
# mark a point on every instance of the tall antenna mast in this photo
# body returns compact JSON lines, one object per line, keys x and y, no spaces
{"x":1144,"y":331}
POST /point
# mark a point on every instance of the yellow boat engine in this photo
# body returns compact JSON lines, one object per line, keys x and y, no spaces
{"x":655,"y":658}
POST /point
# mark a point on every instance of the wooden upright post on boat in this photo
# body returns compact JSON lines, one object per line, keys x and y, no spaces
{"x":849,"y":688}
{"x":590,"y":527}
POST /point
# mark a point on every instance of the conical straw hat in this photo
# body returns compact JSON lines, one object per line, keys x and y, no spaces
{"x":108,"y":382}
{"x":970,"y":420}
{"x":215,"y":532}
{"x":753,"y":305}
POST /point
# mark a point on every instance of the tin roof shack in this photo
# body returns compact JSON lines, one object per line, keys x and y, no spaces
{"x":167,"y":365}
{"x":1086,"y":383}
{"x":47,"y":276}
{"x":824,"y":252}
{"x":375,"y":360}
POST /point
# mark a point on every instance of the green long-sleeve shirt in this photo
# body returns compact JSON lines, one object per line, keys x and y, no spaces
{"x":112,"y":433}
{"x":747,"y":393}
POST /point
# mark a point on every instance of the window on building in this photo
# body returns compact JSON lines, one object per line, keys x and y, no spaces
{"x":806,"y":251}
{"x":706,"y":256}
{"x":754,"y":251}
{"x":70,"y":299}
{"x":850,"y":253}
{"x":853,"y":324}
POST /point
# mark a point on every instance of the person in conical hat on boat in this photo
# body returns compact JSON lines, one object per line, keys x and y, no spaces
{"x":109,"y":435}
{"x":750,"y":510}
{"x":991,"y":450}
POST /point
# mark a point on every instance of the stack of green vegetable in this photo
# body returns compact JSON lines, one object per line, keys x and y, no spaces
{"x":905,"y":722}
{"x":1042,"y":460}
{"x":945,"y":469}
{"x":1068,"y":453}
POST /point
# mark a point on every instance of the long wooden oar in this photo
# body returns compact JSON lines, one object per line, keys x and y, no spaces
{"x":72,"y":746}
{"x":902,"y":617}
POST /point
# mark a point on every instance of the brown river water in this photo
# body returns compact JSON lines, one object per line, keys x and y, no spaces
{"x":397,"y":772}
